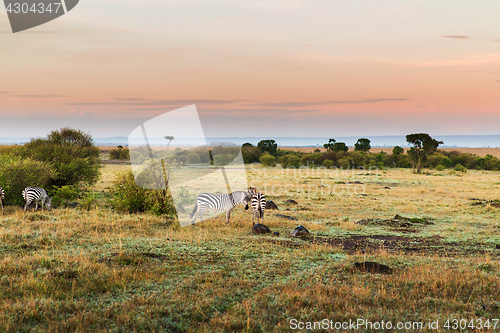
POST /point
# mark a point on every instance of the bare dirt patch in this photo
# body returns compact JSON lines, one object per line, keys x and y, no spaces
{"x":434,"y":245}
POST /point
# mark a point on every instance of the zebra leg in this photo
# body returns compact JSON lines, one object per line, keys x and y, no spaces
{"x":194,"y":216}
{"x":228,"y":215}
{"x":202,"y":211}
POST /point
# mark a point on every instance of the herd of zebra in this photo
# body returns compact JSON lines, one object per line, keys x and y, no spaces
{"x":216,"y":202}
{"x":227,"y":202}
{"x":31,"y":195}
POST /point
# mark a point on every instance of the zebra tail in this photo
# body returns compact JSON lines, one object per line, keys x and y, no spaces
{"x":261,"y":212}
{"x":195,"y":209}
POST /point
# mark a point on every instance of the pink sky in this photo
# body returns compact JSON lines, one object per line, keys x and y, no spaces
{"x":257,"y":68}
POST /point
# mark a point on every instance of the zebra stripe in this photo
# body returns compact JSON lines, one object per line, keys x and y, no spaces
{"x":219,"y":202}
{"x":2,"y":196}
{"x":258,"y":201}
{"x":36,"y":194}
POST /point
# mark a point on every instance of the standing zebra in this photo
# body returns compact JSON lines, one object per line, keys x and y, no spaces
{"x":219,"y":202}
{"x":258,"y":201}
{"x":2,"y":196}
{"x":36,"y":194}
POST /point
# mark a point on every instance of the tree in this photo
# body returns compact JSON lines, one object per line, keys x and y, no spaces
{"x":363,"y":144}
{"x":70,"y":152}
{"x":329,"y":145}
{"x":247,"y":144}
{"x":340,"y":146}
{"x":268,"y":145}
{"x":422,"y":146}
{"x":397,"y":150}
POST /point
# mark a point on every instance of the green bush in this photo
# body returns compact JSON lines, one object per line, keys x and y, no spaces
{"x":460,"y":167}
{"x":71,"y":153}
{"x":64,"y":195}
{"x":127,"y":196}
{"x":119,"y":154}
{"x":293,"y":162}
{"x":17,"y":173}
{"x":440,"y":168}
{"x":268,"y":160}
{"x":327,"y":164}
{"x":251,"y":154}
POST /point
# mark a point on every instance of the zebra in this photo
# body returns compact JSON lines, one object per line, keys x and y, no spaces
{"x":2,"y":196}
{"x":36,"y":194}
{"x":258,"y":202}
{"x":219,"y":202}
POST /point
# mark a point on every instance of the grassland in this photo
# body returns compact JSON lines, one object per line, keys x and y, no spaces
{"x":71,"y":270}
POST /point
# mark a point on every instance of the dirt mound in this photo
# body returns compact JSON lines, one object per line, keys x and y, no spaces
{"x":373,"y":267}
{"x":399,"y":223}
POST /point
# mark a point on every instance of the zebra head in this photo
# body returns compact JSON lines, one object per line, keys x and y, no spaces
{"x":48,"y":203}
{"x":247,"y":199}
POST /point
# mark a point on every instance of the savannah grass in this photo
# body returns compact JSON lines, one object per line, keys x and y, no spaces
{"x":69,"y":270}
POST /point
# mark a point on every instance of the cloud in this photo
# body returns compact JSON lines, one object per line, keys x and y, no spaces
{"x":130,"y":99}
{"x":304,"y":104}
{"x":40,"y":96}
{"x":456,"y":36}
{"x":496,"y":40}
{"x":4,"y":92}
{"x":164,"y":103}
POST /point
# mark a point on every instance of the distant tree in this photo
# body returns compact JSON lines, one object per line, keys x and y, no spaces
{"x":268,"y":145}
{"x":247,"y":144}
{"x":329,"y":145}
{"x":340,"y":146}
{"x":422,"y":146}
{"x":397,"y":150}
{"x":317,"y":151}
{"x":363,"y":144}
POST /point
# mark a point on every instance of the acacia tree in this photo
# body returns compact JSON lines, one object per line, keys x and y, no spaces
{"x":363,"y":144}
{"x":340,"y":146}
{"x":422,"y":146}
{"x":329,"y":145}
{"x":268,"y":145}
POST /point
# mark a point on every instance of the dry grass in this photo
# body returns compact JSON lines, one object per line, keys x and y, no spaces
{"x":74,"y":270}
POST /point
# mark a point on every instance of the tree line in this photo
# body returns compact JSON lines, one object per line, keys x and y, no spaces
{"x":422,"y":152}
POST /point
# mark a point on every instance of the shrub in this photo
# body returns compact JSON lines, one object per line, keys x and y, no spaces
{"x":293,"y":162}
{"x":127,"y":196}
{"x":251,"y":154}
{"x":268,"y":160}
{"x":17,"y":173}
{"x":71,"y":153}
{"x":283,"y":160}
{"x":64,"y":195}
{"x":327,"y":164}
{"x":119,"y":154}
{"x":460,"y":167}
{"x":439,"y":168}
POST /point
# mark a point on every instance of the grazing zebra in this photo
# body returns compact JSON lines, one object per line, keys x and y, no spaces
{"x":36,"y":194}
{"x":219,"y":202}
{"x":258,"y":201}
{"x":2,"y":196}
